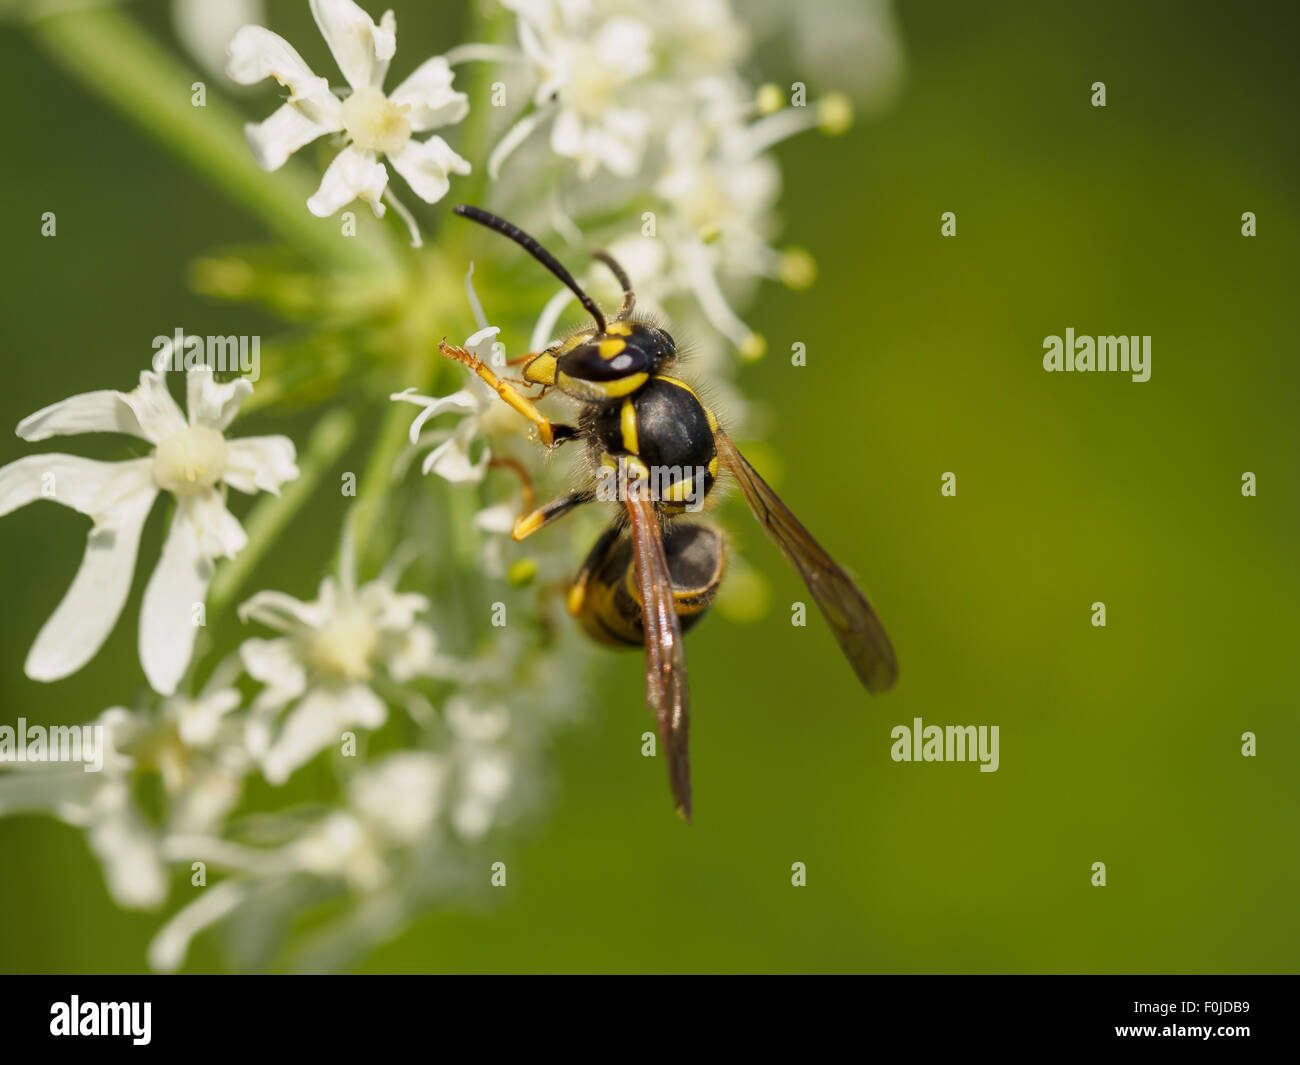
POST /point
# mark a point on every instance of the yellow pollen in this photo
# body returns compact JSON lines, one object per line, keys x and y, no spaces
{"x":753,"y":347}
{"x":798,"y":269}
{"x":834,"y":114}
{"x":770,"y":98}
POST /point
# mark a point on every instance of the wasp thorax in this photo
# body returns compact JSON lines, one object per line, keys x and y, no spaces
{"x":374,"y":122}
{"x":190,"y":459}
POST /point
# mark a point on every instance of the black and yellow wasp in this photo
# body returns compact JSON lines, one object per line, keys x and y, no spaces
{"x":652,"y":574}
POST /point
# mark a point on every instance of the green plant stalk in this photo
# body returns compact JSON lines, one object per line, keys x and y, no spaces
{"x":331,"y":437}
{"x":106,"y":51}
{"x":377,"y":480}
{"x":436,"y":307}
{"x":478,"y":125}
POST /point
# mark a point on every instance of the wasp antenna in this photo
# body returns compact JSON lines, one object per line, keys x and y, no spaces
{"x":530,"y":245}
{"x":629,"y":297}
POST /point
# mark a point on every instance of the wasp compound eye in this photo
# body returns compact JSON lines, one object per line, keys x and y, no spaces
{"x":615,"y":363}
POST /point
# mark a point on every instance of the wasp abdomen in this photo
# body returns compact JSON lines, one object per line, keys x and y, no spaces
{"x":610,"y":610}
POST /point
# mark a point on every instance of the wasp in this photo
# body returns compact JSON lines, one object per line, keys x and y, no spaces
{"x":652,"y":573}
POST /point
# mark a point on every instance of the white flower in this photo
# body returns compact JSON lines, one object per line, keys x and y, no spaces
{"x":332,"y":649}
{"x":392,"y":806}
{"x":720,"y":199}
{"x":192,"y":460}
{"x":476,"y":403}
{"x":483,"y":766}
{"x":375,"y":123}
{"x":189,"y":744}
{"x":582,"y":72}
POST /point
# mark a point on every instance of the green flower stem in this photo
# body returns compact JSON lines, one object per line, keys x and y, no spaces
{"x":436,"y":307}
{"x":478,"y":125}
{"x":331,"y":437}
{"x":377,"y":479}
{"x":106,"y":51}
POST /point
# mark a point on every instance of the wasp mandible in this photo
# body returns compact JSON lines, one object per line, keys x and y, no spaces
{"x":652,"y":574}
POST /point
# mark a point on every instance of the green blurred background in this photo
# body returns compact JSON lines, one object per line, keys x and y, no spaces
{"x":1119,"y":745}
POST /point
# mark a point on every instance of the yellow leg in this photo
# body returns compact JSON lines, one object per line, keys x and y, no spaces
{"x":548,"y":432}
{"x":527,"y":524}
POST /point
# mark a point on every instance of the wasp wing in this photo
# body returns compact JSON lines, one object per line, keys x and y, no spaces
{"x":665,"y":659}
{"x":857,"y":629}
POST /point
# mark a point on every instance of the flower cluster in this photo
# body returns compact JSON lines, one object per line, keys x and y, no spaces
{"x":402,"y":727}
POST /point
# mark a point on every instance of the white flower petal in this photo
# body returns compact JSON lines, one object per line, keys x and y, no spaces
{"x":126,"y":848}
{"x":567,"y":136}
{"x":206,"y":28}
{"x":274,"y":663}
{"x":218,"y":532}
{"x":483,"y":343}
{"x":412,"y":654}
{"x":400,"y":796}
{"x":46,"y":789}
{"x":168,"y":949}
{"x":462,"y":402}
{"x":256,"y":53}
{"x":158,"y":414}
{"x":85,"y":485}
{"x":499,"y":518}
{"x":352,"y":174}
{"x":623,"y":45}
{"x":211,"y":404}
{"x":260,"y":463}
{"x":428,"y":94}
{"x":361,"y":706}
{"x":451,"y":460}
{"x":278,"y":137}
{"x":621,"y":141}
{"x":516,"y":135}
{"x":317,"y":722}
{"x":198,"y":721}
{"x":391,"y":610}
{"x":90,"y":412}
{"x":426,"y":167}
{"x":361,"y":49}
{"x":281,"y":612}
{"x":82,"y":621}
{"x":167,"y":615}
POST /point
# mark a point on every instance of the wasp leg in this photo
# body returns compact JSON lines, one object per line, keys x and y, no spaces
{"x":527,"y":490}
{"x":531,"y":519}
{"x":549,"y":432}
{"x":527,"y":524}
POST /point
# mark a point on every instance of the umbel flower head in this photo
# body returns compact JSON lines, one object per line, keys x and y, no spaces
{"x":190,"y":746}
{"x":374,"y":123}
{"x":450,"y":459}
{"x":325,"y":662}
{"x":192,"y":460}
{"x":582,"y":70}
